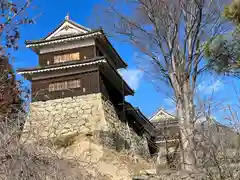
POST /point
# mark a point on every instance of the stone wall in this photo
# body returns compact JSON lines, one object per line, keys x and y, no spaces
{"x":52,"y":118}
{"x":123,"y":137}
{"x":87,"y":115}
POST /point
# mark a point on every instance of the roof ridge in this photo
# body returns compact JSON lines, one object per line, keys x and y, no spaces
{"x":49,"y":34}
{"x":28,"y":42}
{"x":77,"y":24}
{"x":71,"y":22}
{"x":163,"y":110}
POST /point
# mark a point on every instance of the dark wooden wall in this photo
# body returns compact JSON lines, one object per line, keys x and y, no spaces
{"x":89,"y":81}
{"x":103,"y":51}
{"x":89,"y":52}
{"x":110,"y":92}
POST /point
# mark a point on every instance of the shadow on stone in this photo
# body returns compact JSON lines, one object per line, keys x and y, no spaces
{"x":113,"y":140}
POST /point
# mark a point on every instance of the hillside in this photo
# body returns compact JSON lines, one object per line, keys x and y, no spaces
{"x":72,"y":158}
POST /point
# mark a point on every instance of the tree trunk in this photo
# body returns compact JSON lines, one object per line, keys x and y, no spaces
{"x":185,"y":113}
{"x":184,"y":94}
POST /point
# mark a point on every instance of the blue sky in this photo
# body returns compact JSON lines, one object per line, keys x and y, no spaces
{"x":50,"y":13}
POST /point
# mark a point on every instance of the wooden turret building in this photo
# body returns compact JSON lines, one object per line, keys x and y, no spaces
{"x":167,"y":138}
{"x":74,"y":60}
{"x":78,"y":63}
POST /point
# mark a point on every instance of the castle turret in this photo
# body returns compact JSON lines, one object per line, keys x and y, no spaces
{"x":75,"y":60}
{"x":77,"y":90}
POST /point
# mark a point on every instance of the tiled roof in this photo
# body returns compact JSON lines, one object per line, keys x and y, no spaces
{"x":71,"y":22}
{"x":97,"y":60}
{"x":42,"y":42}
{"x":161,"y":112}
{"x":58,"y":67}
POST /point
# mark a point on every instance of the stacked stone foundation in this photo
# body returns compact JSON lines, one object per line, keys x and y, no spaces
{"x":88,"y":115}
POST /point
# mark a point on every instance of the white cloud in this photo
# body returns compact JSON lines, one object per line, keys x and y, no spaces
{"x":132,"y":77}
{"x":210,"y":87}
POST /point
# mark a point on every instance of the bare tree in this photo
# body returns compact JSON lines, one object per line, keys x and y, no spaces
{"x":13,"y":15}
{"x":218,"y":144}
{"x":171,"y":36}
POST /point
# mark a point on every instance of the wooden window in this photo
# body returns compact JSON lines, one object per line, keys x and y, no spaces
{"x":51,"y":87}
{"x":71,"y":84}
{"x":65,"y":85}
{"x":66,"y":57}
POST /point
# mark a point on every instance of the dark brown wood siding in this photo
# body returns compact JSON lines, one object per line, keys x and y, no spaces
{"x":89,"y":81}
{"x":110,"y":92}
{"x":102,"y":51}
{"x":88,"y":52}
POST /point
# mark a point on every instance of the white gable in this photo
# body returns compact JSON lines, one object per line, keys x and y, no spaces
{"x":161,"y":115}
{"x":67,"y":28}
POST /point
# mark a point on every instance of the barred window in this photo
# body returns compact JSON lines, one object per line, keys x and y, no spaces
{"x":64,"y":85}
{"x":66,"y":57}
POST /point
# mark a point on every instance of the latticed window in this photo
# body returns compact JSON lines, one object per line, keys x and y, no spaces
{"x":51,"y":87}
{"x":65,"y":85}
{"x":72,"y":84}
{"x":66,"y":57}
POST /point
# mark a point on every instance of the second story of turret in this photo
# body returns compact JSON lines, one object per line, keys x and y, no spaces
{"x":73,"y":42}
